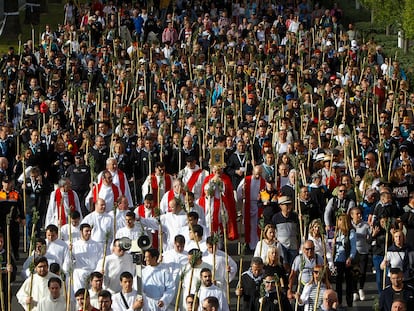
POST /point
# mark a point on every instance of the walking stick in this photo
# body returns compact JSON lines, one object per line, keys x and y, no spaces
{"x":198,"y":285}
{"x":215,"y":242}
{"x":384,"y":276}
{"x":71,"y":267}
{"x":224,"y":220}
{"x":180,"y":286}
{"x":240,"y":285}
{"x":2,"y":303}
{"x":107,"y":234}
{"x":35,"y":219}
{"x":8,"y":219}
{"x":24,"y":205}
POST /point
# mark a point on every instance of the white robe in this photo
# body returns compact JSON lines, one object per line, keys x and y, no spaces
{"x":254,"y":194}
{"x":174,"y":261}
{"x":171,"y":226}
{"x":50,"y":304}
{"x":39,"y":290}
{"x":118,"y":303}
{"x":57,"y":251}
{"x":106,"y":193}
{"x":186,"y":174}
{"x":158,"y":284}
{"x":120,"y":218}
{"x":101,"y":224}
{"x":64,"y":233}
{"x":147,"y":185}
{"x":220,"y":274}
{"x":215,"y":292}
{"x":164,"y":201}
{"x":195,"y":279}
{"x":114,"y":266}
{"x":52,"y":214}
{"x":85,"y":256}
{"x":115,"y":180}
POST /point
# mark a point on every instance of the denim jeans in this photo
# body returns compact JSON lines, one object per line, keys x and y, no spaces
{"x":376,"y":260}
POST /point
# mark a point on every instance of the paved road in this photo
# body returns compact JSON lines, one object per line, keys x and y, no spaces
{"x":367,"y":305}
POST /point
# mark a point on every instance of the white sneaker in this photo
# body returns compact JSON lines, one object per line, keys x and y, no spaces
{"x":361,"y":294}
{"x":356,"y":297}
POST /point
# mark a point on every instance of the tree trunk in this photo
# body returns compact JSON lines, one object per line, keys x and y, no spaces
{"x":12,"y":27}
{"x":43,"y":6}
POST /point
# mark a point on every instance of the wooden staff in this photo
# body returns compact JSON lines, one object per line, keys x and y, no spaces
{"x":24,"y":202}
{"x":35,"y":219}
{"x":318,"y":288}
{"x":240,"y":285}
{"x":2,"y":302}
{"x":9,"y":262}
{"x":384,"y":276}
{"x":224,"y":220}
{"x":107,"y":234}
{"x":180,"y":286}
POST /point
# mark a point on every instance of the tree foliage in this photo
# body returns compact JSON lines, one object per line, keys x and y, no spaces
{"x":393,"y":12}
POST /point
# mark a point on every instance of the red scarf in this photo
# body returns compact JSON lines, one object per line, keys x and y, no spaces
{"x":97,"y":190}
{"x":154,"y":186}
{"x":61,"y":205}
{"x":193,"y":179}
{"x":247,"y":223}
{"x":121,"y":177}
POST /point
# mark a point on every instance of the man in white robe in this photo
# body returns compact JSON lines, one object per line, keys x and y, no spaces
{"x":220,"y":272}
{"x":54,"y":301}
{"x":196,"y":264}
{"x":72,"y":229}
{"x":128,"y":298}
{"x":208,"y":289}
{"x":248,"y":190}
{"x":62,"y":202}
{"x":193,"y":176}
{"x":171,"y":223}
{"x":133,"y":229}
{"x":57,"y":250}
{"x":120,"y":212}
{"x":39,"y":285}
{"x":118,"y":178}
{"x":176,"y":258}
{"x":158,"y":284}
{"x":101,"y":223}
{"x":116,"y":263}
{"x":106,"y":190}
{"x":85,"y":256}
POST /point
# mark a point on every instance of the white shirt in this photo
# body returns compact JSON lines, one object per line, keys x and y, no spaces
{"x":49,"y":304}
{"x":52,"y":215}
{"x":106,"y":193}
{"x":158,"y":285}
{"x":114,"y":266}
{"x":220,"y":273}
{"x":118,"y":303}
{"x":64,"y":233}
{"x":39,"y":290}
{"x":215,"y":292}
{"x":101,"y":223}
{"x":115,"y":180}
{"x":57,"y":251}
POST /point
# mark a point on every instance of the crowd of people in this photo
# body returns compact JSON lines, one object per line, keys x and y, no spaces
{"x":194,"y":123}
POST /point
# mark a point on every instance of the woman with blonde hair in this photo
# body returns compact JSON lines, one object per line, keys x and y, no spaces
{"x":268,"y":240}
{"x":311,"y":293}
{"x":319,"y":239}
{"x":272,"y":265}
{"x":344,"y":252}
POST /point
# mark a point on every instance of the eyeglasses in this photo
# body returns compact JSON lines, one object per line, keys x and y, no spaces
{"x":341,"y":190}
{"x":406,"y":165}
{"x":316,"y":271}
{"x":270,"y":282}
{"x":309,"y":248}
